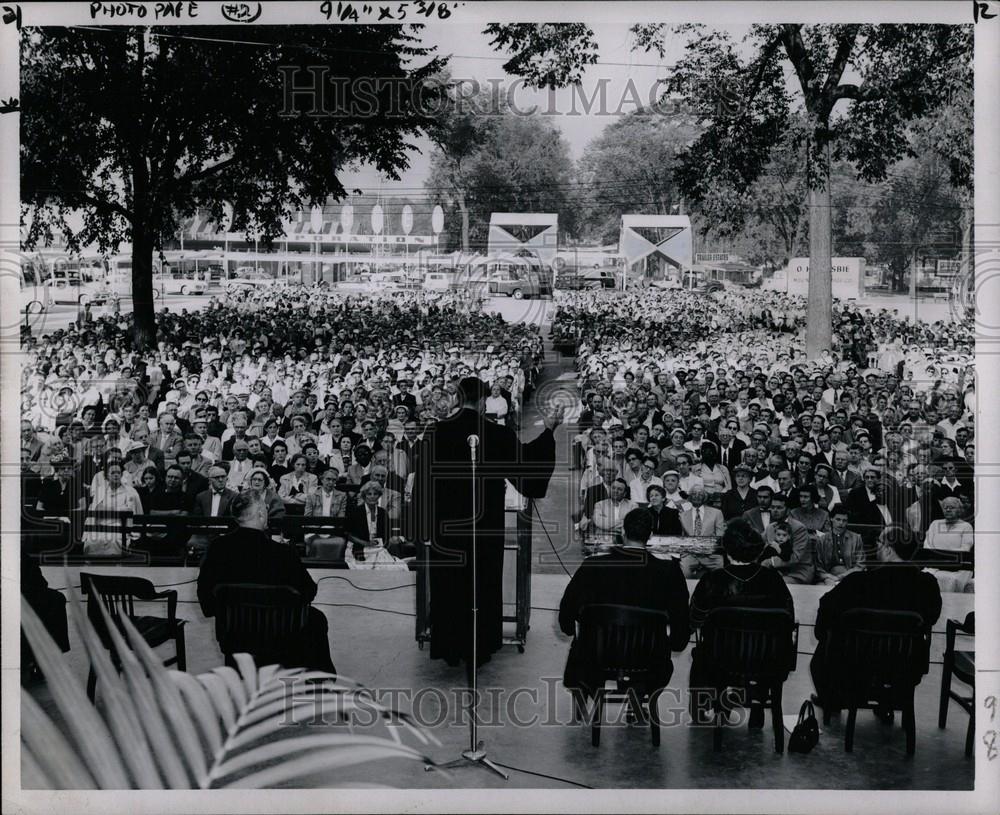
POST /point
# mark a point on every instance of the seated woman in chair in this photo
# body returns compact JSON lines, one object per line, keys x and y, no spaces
{"x":374,"y":543}
{"x":742,"y":581}
{"x":258,"y":484}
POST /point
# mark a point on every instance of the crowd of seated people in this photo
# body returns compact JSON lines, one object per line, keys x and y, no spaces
{"x":698,"y":401}
{"x":292,"y":396}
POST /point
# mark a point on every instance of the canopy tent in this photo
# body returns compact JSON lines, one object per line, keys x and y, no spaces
{"x":534,"y":233}
{"x":655,"y":244}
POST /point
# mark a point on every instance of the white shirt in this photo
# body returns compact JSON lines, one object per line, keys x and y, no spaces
{"x":637,"y":488}
{"x":327,"y":501}
{"x":676,"y":501}
{"x":216,"y":500}
{"x":958,"y":537}
{"x":608,"y":516}
{"x":689,"y":482}
{"x":237,"y":473}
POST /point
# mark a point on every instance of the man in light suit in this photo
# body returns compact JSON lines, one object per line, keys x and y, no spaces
{"x":701,"y":521}
{"x":797,"y":566}
{"x":167,"y":439}
{"x":839,"y":551}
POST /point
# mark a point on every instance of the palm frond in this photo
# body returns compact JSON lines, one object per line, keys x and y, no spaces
{"x":232,"y":727}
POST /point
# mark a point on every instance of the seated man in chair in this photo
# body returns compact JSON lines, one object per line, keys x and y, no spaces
{"x":626,"y":575}
{"x":894,"y":583}
{"x":248,"y":555}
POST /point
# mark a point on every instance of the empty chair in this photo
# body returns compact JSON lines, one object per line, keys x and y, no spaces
{"x":962,"y":666}
{"x":118,"y":595}
{"x":753,"y":649}
{"x":630,"y":646}
{"x":267,"y":622}
{"x":882,"y":656}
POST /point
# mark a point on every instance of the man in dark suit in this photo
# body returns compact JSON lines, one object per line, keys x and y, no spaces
{"x":215,"y":502}
{"x":192,"y":483}
{"x":601,"y":491}
{"x":730,"y":448}
{"x":843,"y":478}
{"x":248,"y":555}
{"x":740,"y":498}
{"x":759,"y":517}
{"x":413,"y":445}
{"x":627,"y":575}
{"x":405,"y":397}
{"x":893,"y":583}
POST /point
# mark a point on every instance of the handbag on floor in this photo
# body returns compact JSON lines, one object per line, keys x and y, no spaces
{"x":806,"y":733}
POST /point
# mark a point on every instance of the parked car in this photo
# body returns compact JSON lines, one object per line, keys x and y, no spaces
{"x":254,"y":279}
{"x":439,"y":281}
{"x":166,"y":284}
{"x":589,"y":279}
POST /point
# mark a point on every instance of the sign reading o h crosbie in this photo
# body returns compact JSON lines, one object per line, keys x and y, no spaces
{"x":848,"y":277}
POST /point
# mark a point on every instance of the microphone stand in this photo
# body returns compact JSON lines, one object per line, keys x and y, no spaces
{"x":476,"y":754}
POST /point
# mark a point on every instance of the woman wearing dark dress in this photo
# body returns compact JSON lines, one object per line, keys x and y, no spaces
{"x":742,"y":581}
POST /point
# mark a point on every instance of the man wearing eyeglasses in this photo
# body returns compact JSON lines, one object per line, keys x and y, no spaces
{"x":948,"y":485}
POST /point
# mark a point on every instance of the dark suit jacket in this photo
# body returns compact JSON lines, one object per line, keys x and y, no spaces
{"x":357,"y":524}
{"x":898,"y":587}
{"x":626,"y":577}
{"x":733,"y":505}
{"x":407,"y":399}
{"x":249,"y":556}
{"x":667,"y":521}
{"x":846,"y":482}
{"x":864,"y":515}
{"x":196,"y":483}
{"x":735,"y":452}
{"x":755,"y":520}
{"x":203,"y":503}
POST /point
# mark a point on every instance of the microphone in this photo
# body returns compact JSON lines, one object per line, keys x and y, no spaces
{"x":473,"y":441}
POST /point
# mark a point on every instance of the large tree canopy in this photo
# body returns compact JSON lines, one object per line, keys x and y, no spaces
{"x":519,"y":164}
{"x":859,"y":88}
{"x":138,"y":130}
{"x":614,"y":182}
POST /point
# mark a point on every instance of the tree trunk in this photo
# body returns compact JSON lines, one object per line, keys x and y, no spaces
{"x":143,"y":313}
{"x":464,"y":210}
{"x":913,"y":274}
{"x":819,"y":312}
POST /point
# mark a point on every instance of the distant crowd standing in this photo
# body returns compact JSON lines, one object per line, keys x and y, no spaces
{"x":704,"y":409}
{"x":298,"y":396}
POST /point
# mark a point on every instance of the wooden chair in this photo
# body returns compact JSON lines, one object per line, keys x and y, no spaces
{"x":118,"y":595}
{"x":882,"y":656}
{"x":267,"y":622}
{"x":754,"y":649}
{"x":961,"y":665}
{"x":630,"y":645}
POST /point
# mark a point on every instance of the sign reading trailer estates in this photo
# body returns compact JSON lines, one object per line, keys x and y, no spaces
{"x":848,"y":277}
